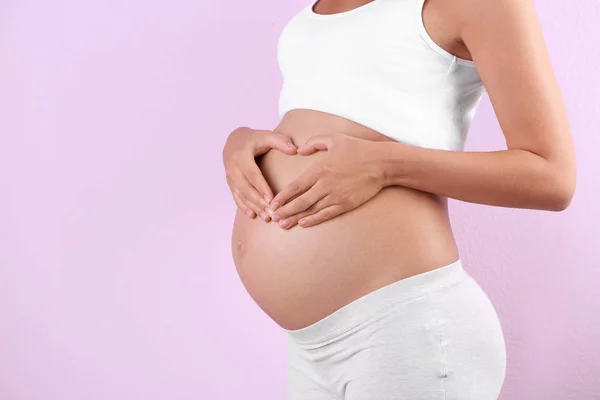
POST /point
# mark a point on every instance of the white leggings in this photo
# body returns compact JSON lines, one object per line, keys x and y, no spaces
{"x":431,"y":336}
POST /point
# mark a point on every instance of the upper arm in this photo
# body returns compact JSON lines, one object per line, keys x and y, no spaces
{"x":506,"y":43}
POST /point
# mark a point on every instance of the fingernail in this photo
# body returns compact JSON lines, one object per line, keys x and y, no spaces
{"x":263,"y":216}
{"x":290,"y":144}
{"x":275,"y":217}
{"x":274,"y":206}
{"x":269,"y":211}
{"x":302,"y":222}
{"x":284,"y":223}
{"x":267,"y":199}
{"x":249,"y":213}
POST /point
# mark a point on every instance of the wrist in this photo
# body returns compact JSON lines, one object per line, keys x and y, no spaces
{"x":379,"y":164}
{"x":390,"y":157}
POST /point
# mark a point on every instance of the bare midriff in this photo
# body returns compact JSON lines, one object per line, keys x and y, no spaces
{"x":300,"y":275}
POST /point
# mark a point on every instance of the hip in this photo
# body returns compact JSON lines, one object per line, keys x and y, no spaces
{"x":435,"y":335}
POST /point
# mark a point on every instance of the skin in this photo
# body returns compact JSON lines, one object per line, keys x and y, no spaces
{"x":397,"y":225}
{"x":245,"y":180}
{"x":536,"y":171}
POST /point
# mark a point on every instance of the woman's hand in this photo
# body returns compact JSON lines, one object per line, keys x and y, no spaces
{"x":248,"y":186}
{"x":348,"y":177}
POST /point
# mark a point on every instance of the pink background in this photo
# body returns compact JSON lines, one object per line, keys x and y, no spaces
{"x":116,"y":278}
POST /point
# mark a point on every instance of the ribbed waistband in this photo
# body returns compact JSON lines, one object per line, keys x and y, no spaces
{"x":377,"y":301}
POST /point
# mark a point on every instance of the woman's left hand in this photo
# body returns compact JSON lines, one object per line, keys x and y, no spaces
{"x":348,"y":177}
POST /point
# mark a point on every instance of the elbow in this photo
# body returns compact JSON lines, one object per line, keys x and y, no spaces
{"x":562,"y":192}
{"x":560,"y":202}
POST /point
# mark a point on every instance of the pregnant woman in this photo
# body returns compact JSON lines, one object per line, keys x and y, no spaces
{"x":342,"y":234}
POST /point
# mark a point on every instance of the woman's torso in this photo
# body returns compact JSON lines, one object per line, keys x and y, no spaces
{"x":299,"y":275}
{"x":373,"y":73}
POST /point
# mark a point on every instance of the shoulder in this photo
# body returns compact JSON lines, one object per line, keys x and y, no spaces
{"x":496,"y":16}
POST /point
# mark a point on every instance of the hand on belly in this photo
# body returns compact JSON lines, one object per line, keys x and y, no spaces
{"x":345,"y":177}
{"x":382,"y":234}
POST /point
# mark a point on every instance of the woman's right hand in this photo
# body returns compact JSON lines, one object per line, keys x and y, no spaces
{"x":248,"y":186}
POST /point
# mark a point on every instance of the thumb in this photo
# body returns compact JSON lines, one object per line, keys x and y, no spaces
{"x":314,"y":144}
{"x":279,"y":141}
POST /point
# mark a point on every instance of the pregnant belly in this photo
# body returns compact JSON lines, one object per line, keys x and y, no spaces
{"x":300,"y":275}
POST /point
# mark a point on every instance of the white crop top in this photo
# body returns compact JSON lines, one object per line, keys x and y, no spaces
{"x":376,"y":65}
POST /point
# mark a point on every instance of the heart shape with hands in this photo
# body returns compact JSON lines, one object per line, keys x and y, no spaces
{"x":347,"y":177}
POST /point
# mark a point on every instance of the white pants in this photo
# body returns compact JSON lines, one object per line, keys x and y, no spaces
{"x":431,"y":336}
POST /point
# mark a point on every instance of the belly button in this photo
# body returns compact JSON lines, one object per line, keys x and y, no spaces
{"x":239,"y":247}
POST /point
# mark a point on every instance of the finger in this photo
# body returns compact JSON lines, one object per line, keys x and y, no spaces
{"x":239,"y":201}
{"x":301,"y":203}
{"x":321,"y":216}
{"x":294,"y":188}
{"x":250,"y":194}
{"x":266,"y":140}
{"x":293,"y":220}
{"x":257,"y":180}
{"x":242,"y":206}
{"x":257,"y":209}
{"x":253,"y":206}
{"x":242,"y":188}
{"x":315,"y":143}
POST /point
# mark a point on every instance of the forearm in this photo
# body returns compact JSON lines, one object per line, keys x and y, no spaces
{"x":508,"y":178}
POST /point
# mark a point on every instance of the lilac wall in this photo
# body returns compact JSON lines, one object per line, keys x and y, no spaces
{"x":116,"y":280}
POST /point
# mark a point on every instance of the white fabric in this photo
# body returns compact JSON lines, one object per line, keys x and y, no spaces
{"x":377,"y":66}
{"x":431,"y":336}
